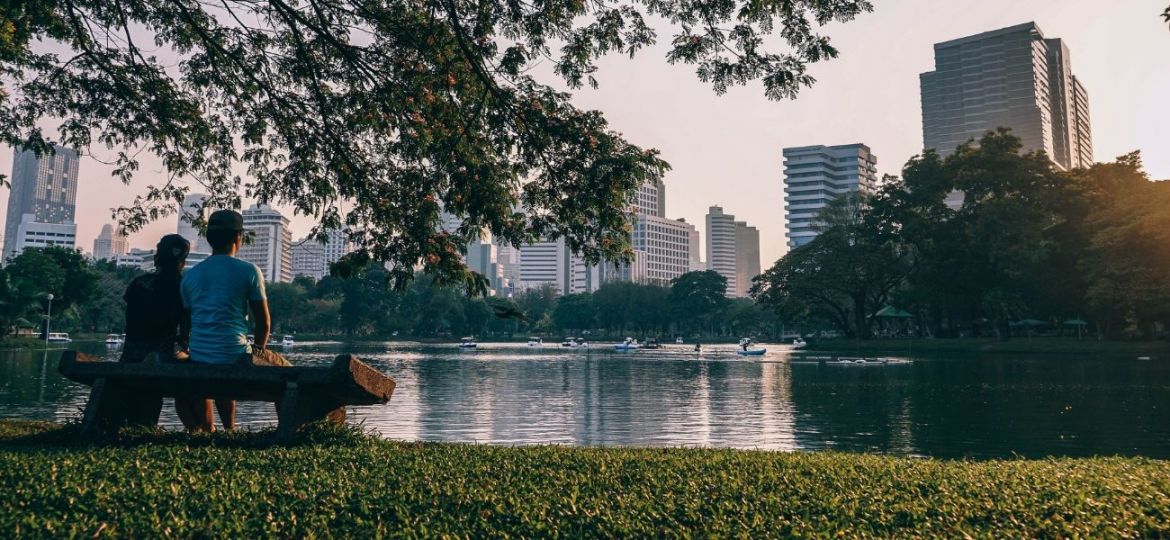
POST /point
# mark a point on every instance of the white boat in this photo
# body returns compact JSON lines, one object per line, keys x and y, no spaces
{"x":746,"y":350}
{"x":630,"y":344}
{"x":59,"y":337}
{"x":287,"y":341}
{"x":678,"y":340}
{"x":115,"y":339}
{"x":574,"y":343}
{"x":535,"y":342}
{"x":799,"y":343}
{"x":468,"y":343}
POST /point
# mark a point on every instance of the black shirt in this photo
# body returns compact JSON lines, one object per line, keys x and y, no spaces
{"x":154,"y":309}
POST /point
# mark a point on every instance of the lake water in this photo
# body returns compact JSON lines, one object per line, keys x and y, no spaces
{"x":978,"y":406}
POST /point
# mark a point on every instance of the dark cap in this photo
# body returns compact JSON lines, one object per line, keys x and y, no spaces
{"x":172,"y":247}
{"x":225,"y":220}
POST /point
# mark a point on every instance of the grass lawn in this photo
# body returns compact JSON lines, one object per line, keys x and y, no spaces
{"x":338,"y":483}
{"x":1035,"y":345}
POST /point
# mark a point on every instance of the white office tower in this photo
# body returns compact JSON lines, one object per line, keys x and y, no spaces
{"x":666,"y":245}
{"x":192,"y":208}
{"x":747,"y":257}
{"x":544,"y":262}
{"x":1012,"y":77}
{"x":733,"y":250}
{"x":697,"y":264}
{"x":814,"y":176}
{"x":650,"y":199}
{"x":109,"y":244}
{"x":508,"y":257}
{"x":311,"y":258}
{"x":270,"y":247}
{"x":721,"y":245}
{"x":308,"y":259}
{"x":31,"y":233}
{"x":42,"y":201}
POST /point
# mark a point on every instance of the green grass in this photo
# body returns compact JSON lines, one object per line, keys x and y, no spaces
{"x":340,"y":483}
{"x":1035,"y":345}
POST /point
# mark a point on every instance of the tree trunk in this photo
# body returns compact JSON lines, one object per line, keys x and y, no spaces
{"x":860,"y":321}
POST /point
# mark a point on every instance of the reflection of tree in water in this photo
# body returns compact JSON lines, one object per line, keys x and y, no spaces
{"x":31,"y":388}
{"x":598,"y":399}
{"x":987,"y":407}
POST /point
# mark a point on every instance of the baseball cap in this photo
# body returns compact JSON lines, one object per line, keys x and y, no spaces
{"x":227,"y":220}
{"x":172,"y":247}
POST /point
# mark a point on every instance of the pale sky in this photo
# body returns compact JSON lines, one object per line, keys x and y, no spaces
{"x":726,"y":150}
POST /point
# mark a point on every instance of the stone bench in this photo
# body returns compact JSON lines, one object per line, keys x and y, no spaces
{"x":305,"y":393}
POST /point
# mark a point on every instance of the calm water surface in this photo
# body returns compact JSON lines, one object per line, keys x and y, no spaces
{"x":978,"y":406}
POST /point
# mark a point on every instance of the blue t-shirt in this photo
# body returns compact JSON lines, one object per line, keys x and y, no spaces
{"x":216,"y":292}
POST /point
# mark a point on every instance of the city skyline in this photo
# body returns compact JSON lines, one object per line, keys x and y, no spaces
{"x":726,"y":150}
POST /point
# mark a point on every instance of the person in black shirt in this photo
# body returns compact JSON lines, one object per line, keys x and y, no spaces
{"x":156,"y":324}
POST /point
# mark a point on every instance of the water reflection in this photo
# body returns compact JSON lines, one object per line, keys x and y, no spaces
{"x":500,"y":394}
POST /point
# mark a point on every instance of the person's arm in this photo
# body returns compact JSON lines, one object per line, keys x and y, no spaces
{"x":263,"y":322}
{"x":185,"y":330}
{"x":258,"y":301}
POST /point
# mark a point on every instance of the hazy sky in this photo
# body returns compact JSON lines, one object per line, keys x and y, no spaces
{"x":725,"y":150}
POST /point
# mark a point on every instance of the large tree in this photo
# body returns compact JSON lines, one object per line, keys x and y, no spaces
{"x":696,"y":298}
{"x":843,"y":277}
{"x":391,"y":109}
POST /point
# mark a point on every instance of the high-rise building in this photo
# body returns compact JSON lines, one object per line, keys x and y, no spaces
{"x":308,"y":258}
{"x":544,"y":262}
{"x":1015,"y":78}
{"x":747,"y":257}
{"x":35,"y":234}
{"x":814,"y":176}
{"x":191,"y":208}
{"x":270,"y":246}
{"x":733,"y":250}
{"x":650,"y":199}
{"x":721,"y":236}
{"x":312,"y":258}
{"x":666,"y":244}
{"x":44,"y":192}
{"x":109,"y":244}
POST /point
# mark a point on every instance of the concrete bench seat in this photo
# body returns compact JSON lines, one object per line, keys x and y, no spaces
{"x":305,"y":393}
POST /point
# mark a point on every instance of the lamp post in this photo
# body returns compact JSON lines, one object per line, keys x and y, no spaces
{"x":48,"y":319}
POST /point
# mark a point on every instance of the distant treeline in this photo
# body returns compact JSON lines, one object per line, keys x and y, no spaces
{"x":88,"y":298}
{"x":1022,"y":247}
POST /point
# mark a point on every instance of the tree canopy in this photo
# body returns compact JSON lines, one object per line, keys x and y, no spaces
{"x":392,"y":110}
{"x":986,"y":237}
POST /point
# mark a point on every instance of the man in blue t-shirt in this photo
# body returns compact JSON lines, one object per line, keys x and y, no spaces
{"x":218,"y":294}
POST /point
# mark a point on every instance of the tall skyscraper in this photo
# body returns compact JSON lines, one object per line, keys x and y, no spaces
{"x":271,"y":243}
{"x":747,"y":257}
{"x":191,"y":208}
{"x":312,"y":258}
{"x":1013,"y":77}
{"x":44,"y":192}
{"x":544,"y":262}
{"x":814,"y":176}
{"x":109,"y":244}
{"x":721,"y":240}
{"x":733,"y":250}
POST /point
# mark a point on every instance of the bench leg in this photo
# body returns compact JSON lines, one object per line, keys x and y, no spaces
{"x":91,"y":420}
{"x":298,"y":408}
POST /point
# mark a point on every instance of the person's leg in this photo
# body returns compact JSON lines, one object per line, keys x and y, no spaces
{"x":227,"y":413}
{"x":195,"y":414}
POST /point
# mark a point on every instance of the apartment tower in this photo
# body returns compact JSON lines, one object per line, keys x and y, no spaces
{"x":814,"y":176}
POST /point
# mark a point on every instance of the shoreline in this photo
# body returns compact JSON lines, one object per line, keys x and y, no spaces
{"x":1039,"y":345}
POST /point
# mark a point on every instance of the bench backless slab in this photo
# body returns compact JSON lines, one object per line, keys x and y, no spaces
{"x":305,"y":393}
